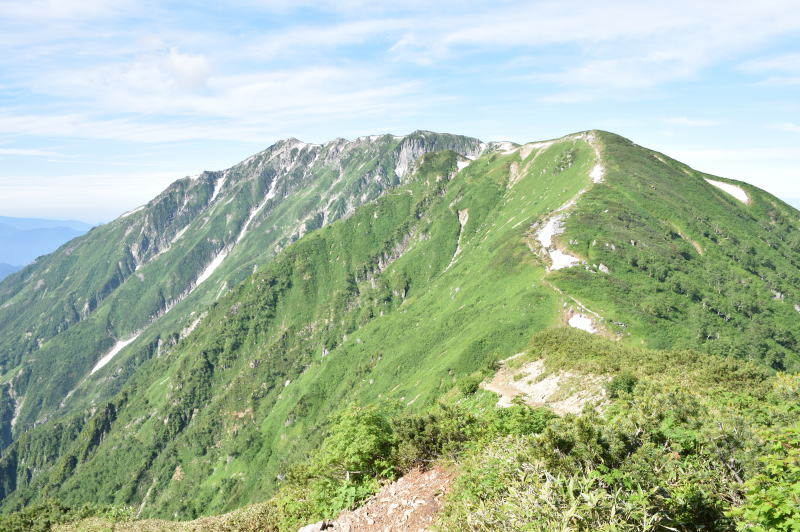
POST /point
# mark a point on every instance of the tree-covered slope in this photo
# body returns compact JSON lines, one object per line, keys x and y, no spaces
{"x":413,"y":293}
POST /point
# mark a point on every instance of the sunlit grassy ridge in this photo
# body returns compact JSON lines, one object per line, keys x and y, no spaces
{"x":690,"y":266}
{"x":249,"y":389}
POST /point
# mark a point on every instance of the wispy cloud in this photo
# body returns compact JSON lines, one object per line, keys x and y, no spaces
{"x":154,"y":73}
{"x":60,"y":9}
{"x":690,"y":122}
{"x":775,"y":70}
{"x":789,"y":62}
{"x":787,"y":126}
{"x":27,"y":152}
{"x":76,"y":195}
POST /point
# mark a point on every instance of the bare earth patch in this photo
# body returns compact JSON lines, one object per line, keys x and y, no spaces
{"x":563,"y":392}
{"x":409,"y":504}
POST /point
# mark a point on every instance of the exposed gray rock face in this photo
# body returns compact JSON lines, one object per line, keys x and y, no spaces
{"x":421,"y":142}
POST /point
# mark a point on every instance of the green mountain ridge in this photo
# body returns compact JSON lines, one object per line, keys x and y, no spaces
{"x":265,"y":298}
{"x":125,"y":276}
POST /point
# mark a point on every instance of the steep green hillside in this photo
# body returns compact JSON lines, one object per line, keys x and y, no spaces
{"x":246,"y":390}
{"x":141,"y":276}
{"x":412,"y":294}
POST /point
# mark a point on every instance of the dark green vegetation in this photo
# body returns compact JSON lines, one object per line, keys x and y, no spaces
{"x":682,"y":446}
{"x":402,"y":306}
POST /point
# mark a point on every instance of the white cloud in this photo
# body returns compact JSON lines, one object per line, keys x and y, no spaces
{"x":303,"y":39}
{"x":568,"y":97}
{"x":60,"y":9}
{"x":87,"y":70}
{"x":780,"y":70}
{"x":618,"y":46}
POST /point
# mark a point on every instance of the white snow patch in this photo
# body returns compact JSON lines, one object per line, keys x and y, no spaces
{"x":119,"y":346}
{"x":460,"y":165}
{"x":212,"y":267}
{"x":552,"y":227}
{"x":218,"y":186}
{"x":561,"y":260}
{"x":733,"y":190}
{"x":134,"y":211}
{"x":463,"y":217}
{"x":220,"y":258}
{"x":179,"y":234}
{"x":582,"y":322}
{"x":597,"y":173}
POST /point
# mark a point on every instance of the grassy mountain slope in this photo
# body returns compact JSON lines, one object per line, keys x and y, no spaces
{"x":146,"y":272}
{"x":220,"y":400}
{"x":415,"y":292}
{"x":688,"y":264}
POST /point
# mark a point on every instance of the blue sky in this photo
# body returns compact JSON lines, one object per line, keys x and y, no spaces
{"x":103,"y":104}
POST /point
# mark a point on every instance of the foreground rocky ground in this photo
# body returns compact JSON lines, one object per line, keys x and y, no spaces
{"x":409,"y":504}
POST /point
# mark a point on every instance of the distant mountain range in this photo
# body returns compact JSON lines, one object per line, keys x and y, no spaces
{"x":7,"y":269}
{"x":24,"y":239}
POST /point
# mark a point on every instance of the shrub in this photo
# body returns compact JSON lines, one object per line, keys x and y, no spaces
{"x":441,"y":431}
{"x":470,"y":384}
{"x":773,"y":496}
{"x":622,"y":383}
